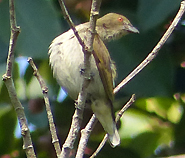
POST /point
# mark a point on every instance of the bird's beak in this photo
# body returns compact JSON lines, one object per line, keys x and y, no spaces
{"x":131,"y":29}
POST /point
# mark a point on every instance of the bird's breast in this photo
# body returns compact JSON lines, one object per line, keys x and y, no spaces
{"x":67,"y":61}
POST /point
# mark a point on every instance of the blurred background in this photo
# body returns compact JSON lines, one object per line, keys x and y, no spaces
{"x":154,"y":126}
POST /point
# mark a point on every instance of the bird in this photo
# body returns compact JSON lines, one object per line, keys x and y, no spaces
{"x":66,"y":58}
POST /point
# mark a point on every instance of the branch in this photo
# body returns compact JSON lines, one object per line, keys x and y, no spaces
{"x":85,"y":133}
{"x":44,"y":88}
{"x":70,"y":22}
{"x":7,"y":78}
{"x":119,"y":115}
{"x":15,"y":30}
{"x":78,"y":115}
{"x":155,"y":51}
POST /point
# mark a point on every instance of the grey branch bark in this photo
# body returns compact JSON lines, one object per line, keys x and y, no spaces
{"x":85,"y":134}
{"x":7,"y":78}
{"x":44,"y":88}
{"x":87,"y":49}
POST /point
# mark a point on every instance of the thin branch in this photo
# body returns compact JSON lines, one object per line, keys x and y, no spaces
{"x":27,"y":142}
{"x":155,"y":51}
{"x":95,"y":7}
{"x":78,"y":115}
{"x":71,"y":24}
{"x":15,"y":30}
{"x":7,"y":78}
{"x":85,"y":133}
{"x":44,"y":88}
{"x":118,"y":116}
{"x":125,"y":107}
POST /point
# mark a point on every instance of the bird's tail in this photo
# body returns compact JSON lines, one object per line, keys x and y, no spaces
{"x":103,"y":111}
{"x":114,"y":138}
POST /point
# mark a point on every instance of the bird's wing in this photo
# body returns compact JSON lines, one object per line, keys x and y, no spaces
{"x":103,"y":63}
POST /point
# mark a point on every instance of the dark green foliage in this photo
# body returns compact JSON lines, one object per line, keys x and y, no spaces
{"x":152,"y":127}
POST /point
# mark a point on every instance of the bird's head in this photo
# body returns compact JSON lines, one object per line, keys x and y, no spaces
{"x":113,"y":26}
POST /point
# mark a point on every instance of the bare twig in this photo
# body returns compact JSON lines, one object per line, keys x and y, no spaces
{"x":95,"y":7}
{"x":7,"y":78}
{"x":87,"y":49}
{"x":125,"y":107}
{"x":118,"y":116}
{"x":85,"y":133}
{"x":154,"y":52}
{"x":70,"y":22}
{"x":44,"y":88}
{"x":15,"y":30}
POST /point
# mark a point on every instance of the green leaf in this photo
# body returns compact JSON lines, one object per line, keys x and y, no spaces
{"x":39,"y":25}
{"x":4,"y":31}
{"x":28,"y":74}
{"x":16,"y":71}
{"x":156,"y":78}
{"x":145,"y":143}
{"x":134,"y":123}
{"x":39,"y":119}
{"x":4,"y":95}
{"x":2,"y":71}
{"x":159,"y":105}
{"x":151,"y":13}
{"x":7,"y":126}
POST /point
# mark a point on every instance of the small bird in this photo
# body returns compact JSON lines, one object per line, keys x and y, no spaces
{"x":67,"y":61}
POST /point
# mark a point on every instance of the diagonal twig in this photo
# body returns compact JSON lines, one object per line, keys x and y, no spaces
{"x":155,"y":51}
{"x":44,"y":88}
{"x":95,"y":7}
{"x":7,"y":78}
{"x":85,"y":133}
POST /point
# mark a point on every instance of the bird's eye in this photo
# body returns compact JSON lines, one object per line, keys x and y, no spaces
{"x":120,"y":19}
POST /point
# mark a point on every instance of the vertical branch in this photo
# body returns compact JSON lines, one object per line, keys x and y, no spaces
{"x":95,"y":7}
{"x":15,"y":30}
{"x":7,"y":78}
{"x":85,"y":133}
{"x":44,"y":88}
{"x":87,"y":49}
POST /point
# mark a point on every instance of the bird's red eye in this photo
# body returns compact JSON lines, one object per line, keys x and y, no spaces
{"x":120,"y":19}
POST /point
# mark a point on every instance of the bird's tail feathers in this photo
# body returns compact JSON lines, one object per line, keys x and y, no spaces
{"x":103,"y":111}
{"x":115,"y":138}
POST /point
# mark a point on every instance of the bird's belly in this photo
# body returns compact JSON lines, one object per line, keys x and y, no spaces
{"x":67,"y":63}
